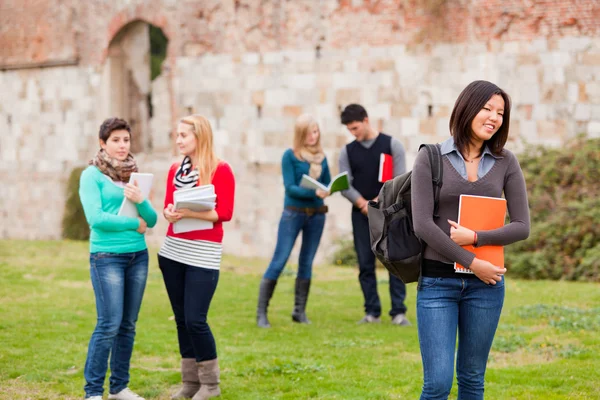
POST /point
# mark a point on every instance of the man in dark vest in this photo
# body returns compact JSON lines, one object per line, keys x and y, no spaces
{"x":361,"y":160}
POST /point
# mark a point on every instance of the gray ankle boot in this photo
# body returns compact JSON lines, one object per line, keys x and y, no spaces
{"x":300,"y":299}
{"x":267,"y":287}
{"x":209,"y":376}
{"x":189,"y":377}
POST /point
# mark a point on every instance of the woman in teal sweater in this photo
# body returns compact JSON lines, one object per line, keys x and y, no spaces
{"x":303,"y":211}
{"x":118,"y":259}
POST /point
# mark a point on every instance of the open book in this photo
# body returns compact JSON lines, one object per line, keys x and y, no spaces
{"x":144,"y":182}
{"x":339,"y":182}
{"x":199,"y":198}
{"x":480,"y":213}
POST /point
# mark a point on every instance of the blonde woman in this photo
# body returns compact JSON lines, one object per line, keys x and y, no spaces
{"x":303,"y":211}
{"x":190,"y":261}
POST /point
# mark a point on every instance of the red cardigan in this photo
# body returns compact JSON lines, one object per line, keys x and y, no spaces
{"x":224,"y":183}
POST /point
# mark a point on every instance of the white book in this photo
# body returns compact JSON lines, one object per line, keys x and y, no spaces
{"x":191,"y":224}
{"x":144,"y":182}
{"x":195,"y":193}
{"x":195,"y":205}
{"x":199,"y":198}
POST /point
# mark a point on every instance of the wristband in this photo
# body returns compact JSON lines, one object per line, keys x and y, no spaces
{"x":474,"y":238}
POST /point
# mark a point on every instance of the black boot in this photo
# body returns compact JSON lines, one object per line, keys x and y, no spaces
{"x":267,"y":286}
{"x":300,"y":299}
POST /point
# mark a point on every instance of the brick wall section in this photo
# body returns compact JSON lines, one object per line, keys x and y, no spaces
{"x":252,"y":66}
{"x":37,"y":31}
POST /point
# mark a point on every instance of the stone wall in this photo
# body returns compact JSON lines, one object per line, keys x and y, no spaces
{"x":253,"y":66}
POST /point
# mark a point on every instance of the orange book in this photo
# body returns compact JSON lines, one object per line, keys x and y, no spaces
{"x":480,"y":213}
{"x":386,"y":168}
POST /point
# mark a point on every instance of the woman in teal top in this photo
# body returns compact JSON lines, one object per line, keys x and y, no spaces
{"x":118,"y":259}
{"x":303,"y":211}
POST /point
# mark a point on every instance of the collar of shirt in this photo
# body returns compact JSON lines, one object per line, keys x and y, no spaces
{"x":457,"y":160}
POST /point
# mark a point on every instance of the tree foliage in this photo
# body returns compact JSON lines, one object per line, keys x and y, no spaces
{"x":564,"y":201}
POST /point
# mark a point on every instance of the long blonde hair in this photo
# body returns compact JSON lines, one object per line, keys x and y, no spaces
{"x":303,"y":124}
{"x":205,"y":156}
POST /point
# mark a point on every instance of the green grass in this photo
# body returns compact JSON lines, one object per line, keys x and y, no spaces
{"x":546,"y":347}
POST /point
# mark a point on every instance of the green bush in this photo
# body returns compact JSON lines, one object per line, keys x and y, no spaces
{"x":345,"y":255}
{"x":564,"y":201}
{"x":74,"y":224}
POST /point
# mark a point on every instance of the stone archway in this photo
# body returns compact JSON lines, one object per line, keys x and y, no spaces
{"x":128,"y":81}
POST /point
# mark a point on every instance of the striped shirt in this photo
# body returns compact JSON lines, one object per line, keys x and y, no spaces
{"x":196,"y":253}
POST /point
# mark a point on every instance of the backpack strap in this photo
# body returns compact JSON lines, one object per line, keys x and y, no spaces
{"x":437,"y":173}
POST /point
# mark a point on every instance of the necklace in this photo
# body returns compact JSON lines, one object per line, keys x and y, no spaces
{"x":472,"y":160}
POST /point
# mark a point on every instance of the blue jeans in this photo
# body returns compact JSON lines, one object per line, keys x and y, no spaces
{"x":190,"y":291}
{"x":119,"y":281}
{"x":366,"y":271}
{"x":448,"y":305}
{"x":290,"y":225}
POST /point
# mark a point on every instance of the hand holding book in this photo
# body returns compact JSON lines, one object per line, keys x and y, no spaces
{"x":486,"y":271}
{"x":171,"y":215}
{"x":479,"y":213}
{"x":461,"y":235}
{"x":190,"y":204}
{"x":322,"y":193}
{"x":338,"y":183}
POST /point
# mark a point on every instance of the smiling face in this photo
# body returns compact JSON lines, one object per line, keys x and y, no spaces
{"x":118,"y":144}
{"x":186,"y":139}
{"x":489,"y":119}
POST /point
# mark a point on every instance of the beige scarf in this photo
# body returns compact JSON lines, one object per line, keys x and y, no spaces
{"x":116,"y":170}
{"x":315,"y":156}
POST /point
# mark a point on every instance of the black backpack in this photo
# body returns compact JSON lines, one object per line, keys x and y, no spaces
{"x":393,"y":239}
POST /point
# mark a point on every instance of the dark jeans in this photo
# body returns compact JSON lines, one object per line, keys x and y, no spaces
{"x":366,"y":266}
{"x":119,"y":281}
{"x":290,"y":225}
{"x":190,"y":291}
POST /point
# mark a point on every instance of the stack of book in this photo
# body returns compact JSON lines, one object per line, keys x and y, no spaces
{"x":199,"y":198}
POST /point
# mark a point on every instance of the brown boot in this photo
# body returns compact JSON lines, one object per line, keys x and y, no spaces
{"x":189,"y":377}
{"x":208,"y":374}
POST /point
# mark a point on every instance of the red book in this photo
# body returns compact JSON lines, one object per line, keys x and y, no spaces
{"x":480,"y":213}
{"x":386,"y":167}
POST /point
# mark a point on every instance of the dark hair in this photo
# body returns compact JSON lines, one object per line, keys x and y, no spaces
{"x":353,"y":113}
{"x":468,"y":104}
{"x":112,"y":124}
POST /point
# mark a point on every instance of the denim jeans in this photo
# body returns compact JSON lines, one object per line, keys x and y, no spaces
{"x":448,"y":305}
{"x":366,"y":270}
{"x":290,"y":225}
{"x":190,"y":291}
{"x":119,"y":281}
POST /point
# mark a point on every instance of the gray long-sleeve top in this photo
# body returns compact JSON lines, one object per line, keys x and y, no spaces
{"x":504,"y":177}
{"x":399,"y":161}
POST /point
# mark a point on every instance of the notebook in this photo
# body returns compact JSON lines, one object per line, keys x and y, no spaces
{"x":144,"y":182}
{"x":480,"y":213}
